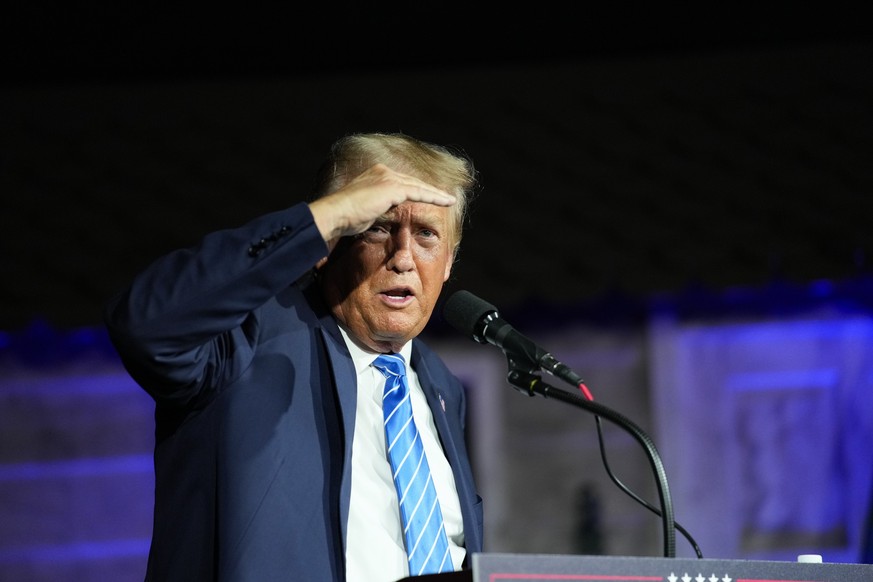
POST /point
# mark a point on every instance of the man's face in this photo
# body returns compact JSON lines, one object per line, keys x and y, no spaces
{"x":383,"y":284}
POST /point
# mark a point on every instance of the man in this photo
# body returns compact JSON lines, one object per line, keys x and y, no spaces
{"x":258,"y":348}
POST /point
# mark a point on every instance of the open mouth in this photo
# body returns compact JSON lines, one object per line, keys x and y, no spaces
{"x":399,"y":293}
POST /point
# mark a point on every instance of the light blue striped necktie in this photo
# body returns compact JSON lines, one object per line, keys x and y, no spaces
{"x":427,"y":546}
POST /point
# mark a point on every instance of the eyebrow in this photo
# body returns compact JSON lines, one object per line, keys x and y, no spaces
{"x":431,"y":220}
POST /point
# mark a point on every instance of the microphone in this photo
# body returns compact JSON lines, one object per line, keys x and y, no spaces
{"x":480,"y":320}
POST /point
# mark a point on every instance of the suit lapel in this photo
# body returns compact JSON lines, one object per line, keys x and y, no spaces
{"x":446,"y":425}
{"x":345,"y":382}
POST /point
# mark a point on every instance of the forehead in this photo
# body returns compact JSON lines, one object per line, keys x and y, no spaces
{"x":419,"y":212}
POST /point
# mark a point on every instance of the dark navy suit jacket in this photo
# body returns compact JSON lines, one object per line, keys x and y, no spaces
{"x":255,"y":397}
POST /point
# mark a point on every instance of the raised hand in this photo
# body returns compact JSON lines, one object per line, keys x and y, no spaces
{"x":353,"y":208}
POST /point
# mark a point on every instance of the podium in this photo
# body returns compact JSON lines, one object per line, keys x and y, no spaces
{"x":544,"y":567}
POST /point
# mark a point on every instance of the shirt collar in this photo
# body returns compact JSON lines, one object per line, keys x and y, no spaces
{"x":364,"y":357}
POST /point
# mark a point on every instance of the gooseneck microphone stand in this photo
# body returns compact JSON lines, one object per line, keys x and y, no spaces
{"x":523,"y":379}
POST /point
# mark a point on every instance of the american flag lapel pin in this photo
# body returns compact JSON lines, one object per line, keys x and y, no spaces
{"x":442,"y":402}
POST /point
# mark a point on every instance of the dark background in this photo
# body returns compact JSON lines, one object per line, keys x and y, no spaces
{"x":625,"y":152}
{"x":49,"y":42}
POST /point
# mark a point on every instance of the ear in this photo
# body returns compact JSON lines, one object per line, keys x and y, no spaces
{"x":449,"y":262}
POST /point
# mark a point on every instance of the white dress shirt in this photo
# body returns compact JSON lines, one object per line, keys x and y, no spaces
{"x":375,"y":550}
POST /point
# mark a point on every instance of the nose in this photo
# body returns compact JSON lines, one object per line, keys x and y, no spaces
{"x":400,"y":256}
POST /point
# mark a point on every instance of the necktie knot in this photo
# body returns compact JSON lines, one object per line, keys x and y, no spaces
{"x":393,"y":364}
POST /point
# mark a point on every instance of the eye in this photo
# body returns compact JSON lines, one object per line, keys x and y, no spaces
{"x":428,"y":237}
{"x":378,"y":227}
{"x":377,"y":232}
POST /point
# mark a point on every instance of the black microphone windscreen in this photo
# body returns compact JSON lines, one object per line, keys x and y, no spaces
{"x":463,"y":311}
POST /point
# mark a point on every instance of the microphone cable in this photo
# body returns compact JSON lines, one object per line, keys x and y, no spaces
{"x":586,"y":392}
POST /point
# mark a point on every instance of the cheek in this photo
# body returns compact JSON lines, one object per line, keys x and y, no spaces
{"x":362,"y":260}
{"x":437,"y":263}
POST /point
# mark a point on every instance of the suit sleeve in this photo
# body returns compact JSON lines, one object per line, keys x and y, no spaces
{"x":187,"y":323}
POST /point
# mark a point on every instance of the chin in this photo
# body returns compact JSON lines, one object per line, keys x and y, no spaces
{"x":396,"y":334}
{"x":396,"y":338}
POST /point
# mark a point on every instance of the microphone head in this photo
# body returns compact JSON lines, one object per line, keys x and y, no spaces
{"x":466,"y":313}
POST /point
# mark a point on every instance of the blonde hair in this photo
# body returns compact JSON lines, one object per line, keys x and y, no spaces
{"x":447,"y":169}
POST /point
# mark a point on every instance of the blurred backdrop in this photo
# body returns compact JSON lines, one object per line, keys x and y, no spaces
{"x":676,"y":203}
